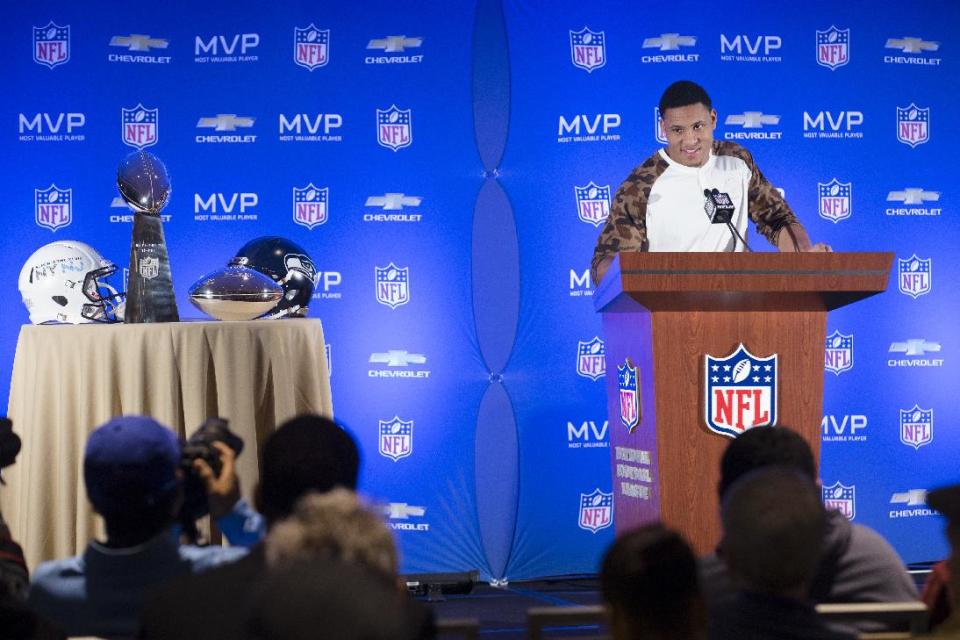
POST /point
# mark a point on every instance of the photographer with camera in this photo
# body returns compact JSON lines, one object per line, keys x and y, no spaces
{"x":135,"y":470}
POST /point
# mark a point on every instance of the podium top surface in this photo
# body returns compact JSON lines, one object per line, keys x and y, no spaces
{"x":741,"y":281}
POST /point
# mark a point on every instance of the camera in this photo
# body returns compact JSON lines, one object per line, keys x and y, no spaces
{"x":9,"y":445}
{"x":199,"y":446}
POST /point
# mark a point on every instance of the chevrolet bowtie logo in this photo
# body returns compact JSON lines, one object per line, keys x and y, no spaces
{"x":398,"y":358}
{"x":119,"y":203}
{"x":225,"y":122}
{"x":912,"y":45}
{"x":395,"y":44}
{"x":669,"y":42}
{"x":752,"y":119}
{"x":138,"y":42}
{"x":402,"y":510}
{"x":394,"y":201}
{"x":915,"y":347}
{"x":913,"y":195}
{"x":912,"y":498}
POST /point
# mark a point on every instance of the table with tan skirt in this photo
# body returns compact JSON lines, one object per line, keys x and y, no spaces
{"x":68,"y":379}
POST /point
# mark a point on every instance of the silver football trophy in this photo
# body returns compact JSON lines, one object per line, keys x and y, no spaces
{"x":145,"y":186}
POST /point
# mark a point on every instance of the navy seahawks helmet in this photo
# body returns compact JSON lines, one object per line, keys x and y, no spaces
{"x":288,"y":265}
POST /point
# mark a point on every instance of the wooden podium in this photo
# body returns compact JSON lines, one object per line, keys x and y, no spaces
{"x":673,"y":326}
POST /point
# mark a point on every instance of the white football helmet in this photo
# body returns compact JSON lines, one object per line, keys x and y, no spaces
{"x":64,"y":282}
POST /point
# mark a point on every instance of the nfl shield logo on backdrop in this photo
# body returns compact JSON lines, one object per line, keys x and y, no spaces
{"x":657,"y":132}
{"x":593,"y":203}
{"x":393,"y":285}
{"x":741,"y":392}
{"x":838,"y":356}
{"x":833,"y":47}
{"x":591,"y":359}
{"x":913,"y":125}
{"x":839,"y":497}
{"x":628,"y":387}
{"x":836,"y":200}
{"x":53,"y":207}
{"x":310,"y":205}
{"x":394,"y":128}
{"x":396,"y":438}
{"x":596,"y":510}
{"x":311,"y":47}
{"x":914,"y":276}
{"x":588,"y":49}
{"x":140,"y":126}
{"x":916,"y":426}
{"x":51,"y":45}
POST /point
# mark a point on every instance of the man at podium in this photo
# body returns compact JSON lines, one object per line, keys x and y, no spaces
{"x":697,"y":194}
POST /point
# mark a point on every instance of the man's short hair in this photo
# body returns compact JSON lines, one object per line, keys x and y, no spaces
{"x":306,"y":453}
{"x":649,"y":579}
{"x":762,"y":447}
{"x":773,"y":529}
{"x":683,"y":93}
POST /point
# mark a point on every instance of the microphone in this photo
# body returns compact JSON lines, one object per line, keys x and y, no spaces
{"x":719,"y":209}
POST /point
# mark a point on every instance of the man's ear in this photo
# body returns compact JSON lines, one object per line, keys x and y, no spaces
{"x":713,"y":118}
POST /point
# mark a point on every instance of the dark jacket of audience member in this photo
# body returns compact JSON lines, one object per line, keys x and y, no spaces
{"x":324,"y":598}
{"x":307,"y":453}
{"x":16,"y":620}
{"x":649,"y":583}
{"x":946,"y":500}
{"x":857,"y":564}
{"x":130,"y":472}
{"x":773,"y":534}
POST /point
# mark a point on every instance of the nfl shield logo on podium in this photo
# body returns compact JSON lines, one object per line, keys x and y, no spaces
{"x":628,"y":378}
{"x":741,"y":392}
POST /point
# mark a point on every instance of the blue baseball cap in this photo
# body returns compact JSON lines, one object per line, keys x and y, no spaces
{"x":130,"y":463}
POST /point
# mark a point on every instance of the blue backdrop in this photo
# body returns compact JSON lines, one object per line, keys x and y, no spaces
{"x":473,"y":147}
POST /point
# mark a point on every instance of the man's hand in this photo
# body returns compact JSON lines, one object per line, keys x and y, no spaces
{"x":223,"y":491}
{"x":794,"y":238}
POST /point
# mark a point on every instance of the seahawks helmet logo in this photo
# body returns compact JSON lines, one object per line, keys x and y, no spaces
{"x":302,"y":263}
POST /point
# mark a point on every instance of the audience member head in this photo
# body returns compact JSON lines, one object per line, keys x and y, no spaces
{"x":946,"y":500}
{"x":765,"y":447}
{"x":329,"y":599}
{"x":773,"y":530}
{"x":130,"y":471}
{"x":307,"y":453}
{"x":649,"y":582}
{"x":334,"y":525}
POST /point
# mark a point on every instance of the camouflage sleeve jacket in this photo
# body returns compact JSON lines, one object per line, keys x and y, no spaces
{"x":626,"y":228}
